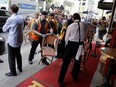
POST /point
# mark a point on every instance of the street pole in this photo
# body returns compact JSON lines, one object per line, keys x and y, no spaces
{"x":8,"y":4}
{"x":37,"y":6}
{"x":102,"y":13}
{"x":113,"y":14}
{"x":44,"y":5}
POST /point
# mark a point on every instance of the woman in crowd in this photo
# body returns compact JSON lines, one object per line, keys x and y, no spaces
{"x":61,"y":44}
{"x":103,"y":24}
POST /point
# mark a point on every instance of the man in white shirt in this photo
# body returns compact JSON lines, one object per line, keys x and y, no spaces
{"x":75,"y":35}
{"x":14,"y":26}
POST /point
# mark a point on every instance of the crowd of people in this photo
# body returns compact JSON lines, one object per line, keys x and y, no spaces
{"x":70,"y":30}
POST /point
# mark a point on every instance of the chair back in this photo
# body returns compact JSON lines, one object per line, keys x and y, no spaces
{"x":50,"y":40}
{"x":49,"y":47}
{"x":27,"y":36}
{"x":88,"y":41}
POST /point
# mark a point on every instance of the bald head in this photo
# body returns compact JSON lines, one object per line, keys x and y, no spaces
{"x":69,"y":16}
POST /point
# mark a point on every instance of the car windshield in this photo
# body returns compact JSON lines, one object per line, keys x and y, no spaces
{"x":7,"y":13}
{"x":4,"y":13}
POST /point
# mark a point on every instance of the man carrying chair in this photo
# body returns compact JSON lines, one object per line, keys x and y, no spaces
{"x":43,"y":28}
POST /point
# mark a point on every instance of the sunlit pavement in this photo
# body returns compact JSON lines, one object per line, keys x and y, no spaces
{"x":28,"y":70}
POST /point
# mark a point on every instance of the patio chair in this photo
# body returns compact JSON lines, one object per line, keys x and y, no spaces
{"x":87,"y":49}
{"x":49,"y":47}
{"x":27,"y":37}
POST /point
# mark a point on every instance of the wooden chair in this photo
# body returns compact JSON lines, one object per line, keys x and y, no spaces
{"x":27,"y":36}
{"x":49,"y":47}
{"x":91,"y":30}
{"x":87,"y":49}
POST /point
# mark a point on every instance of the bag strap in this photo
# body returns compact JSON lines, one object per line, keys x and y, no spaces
{"x":79,"y":31}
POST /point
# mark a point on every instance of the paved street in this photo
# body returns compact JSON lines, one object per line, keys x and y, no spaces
{"x":5,"y":35}
{"x":28,"y":70}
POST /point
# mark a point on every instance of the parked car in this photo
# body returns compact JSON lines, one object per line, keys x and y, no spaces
{"x":4,"y":15}
{"x":2,"y":45}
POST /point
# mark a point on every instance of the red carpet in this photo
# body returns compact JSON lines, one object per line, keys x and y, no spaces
{"x":48,"y":76}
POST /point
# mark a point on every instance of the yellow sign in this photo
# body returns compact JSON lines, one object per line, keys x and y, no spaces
{"x":35,"y":84}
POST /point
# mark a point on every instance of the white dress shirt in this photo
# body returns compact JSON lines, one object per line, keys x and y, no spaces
{"x":14,"y":25}
{"x":79,"y":52}
{"x":72,"y":33}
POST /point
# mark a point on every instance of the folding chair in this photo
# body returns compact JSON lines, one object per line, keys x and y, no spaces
{"x":49,"y":47}
{"x":87,"y":49}
{"x":91,"y":30}
{"x":27,"y":37}
{"x":88,"y":44}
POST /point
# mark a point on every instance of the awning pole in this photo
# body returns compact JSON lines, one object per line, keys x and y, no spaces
{"x":112,"y":16}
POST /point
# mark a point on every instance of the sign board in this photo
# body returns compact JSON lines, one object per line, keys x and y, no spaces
{"x":3,"y":1}
{"x":27,"y":6}
{"x":105,"y":5}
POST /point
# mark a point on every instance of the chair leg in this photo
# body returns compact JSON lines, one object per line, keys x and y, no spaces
{"x":40,"y":51}
{"x":52,"y":59}
{"x":40,"y":60}
{"x":71,"y":64}
{"x":25,"y":40}
{"x":48,"y":59}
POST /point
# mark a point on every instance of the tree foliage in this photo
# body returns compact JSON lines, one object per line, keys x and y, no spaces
{"x":48,"y":1}
{"x":68,"y":3}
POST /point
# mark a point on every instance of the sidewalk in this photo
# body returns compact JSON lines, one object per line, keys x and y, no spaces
{"x":28,"y":70}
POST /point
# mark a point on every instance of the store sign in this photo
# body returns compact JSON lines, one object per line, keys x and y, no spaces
{"x":27,"y":6}
{"x":105,"y":5}
{"x":3,"y":1}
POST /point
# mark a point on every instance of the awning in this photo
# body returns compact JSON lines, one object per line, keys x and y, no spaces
{"x":89,"y":12}
{"x":107,"y":12}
